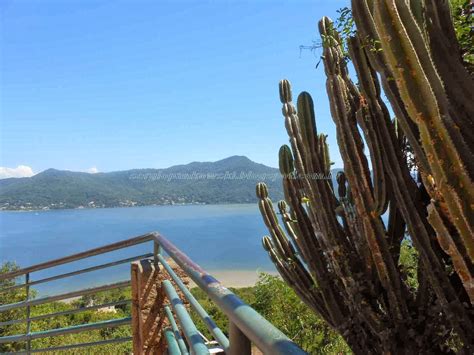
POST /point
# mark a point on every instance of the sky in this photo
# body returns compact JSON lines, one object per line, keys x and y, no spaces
{"x":97,"y":85}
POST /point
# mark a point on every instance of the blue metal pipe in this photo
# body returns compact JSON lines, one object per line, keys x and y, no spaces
{"x":177,"y":333}
{"x":173,"y":348}
{"x":189,"y":329}
{"x":216,"y":331}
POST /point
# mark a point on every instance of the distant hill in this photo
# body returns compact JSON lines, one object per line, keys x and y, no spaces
{"x":231,"y":180}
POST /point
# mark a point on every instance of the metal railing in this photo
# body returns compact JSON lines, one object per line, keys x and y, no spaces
{"x":29,"y":302}
{"x":246,"y":325}
{"x":182,"y":336}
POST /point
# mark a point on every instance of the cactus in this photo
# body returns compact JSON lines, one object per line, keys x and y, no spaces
{"x":335,"y":250}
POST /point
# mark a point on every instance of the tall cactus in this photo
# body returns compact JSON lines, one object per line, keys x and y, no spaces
{"x":335,"y":250}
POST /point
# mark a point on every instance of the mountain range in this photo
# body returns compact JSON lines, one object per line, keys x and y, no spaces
{"x":231,"y":180}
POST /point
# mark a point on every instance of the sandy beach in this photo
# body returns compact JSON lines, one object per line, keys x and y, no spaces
{"x":238,"y":278}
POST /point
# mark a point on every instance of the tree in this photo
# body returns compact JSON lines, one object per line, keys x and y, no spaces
{"x":338,"y":254}
{"x":16,"y":295}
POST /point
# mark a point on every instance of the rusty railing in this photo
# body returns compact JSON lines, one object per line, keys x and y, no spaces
{"x":182,"y":336}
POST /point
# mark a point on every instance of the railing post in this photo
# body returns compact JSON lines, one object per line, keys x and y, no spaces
{"x":136,"y":309}
{"x":147,"y":308}
{"x":156,"y":251}
{"x":239,"y":343}
{"x":28,"y":312}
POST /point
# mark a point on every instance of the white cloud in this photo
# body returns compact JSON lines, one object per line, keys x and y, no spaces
{"x":92,"y":170}
{"x":19,"y":171}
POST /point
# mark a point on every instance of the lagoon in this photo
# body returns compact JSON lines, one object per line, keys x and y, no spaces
{"x":223,"y":239}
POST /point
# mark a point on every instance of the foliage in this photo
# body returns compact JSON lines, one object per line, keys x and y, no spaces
{"x":344,"y":24}
{"x":17,"y":295}
{"x":464,"y":25}
{"x":278,"y":303}
{"x":382,"y":291}
{"x":281,"y":306}
{"x":408,"y":262}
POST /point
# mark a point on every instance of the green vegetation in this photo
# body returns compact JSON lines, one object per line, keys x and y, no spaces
{"x":230,"y":180}
{"x":65,"y":320}
{"x":464,"y":27}
{"x":404,"y":285}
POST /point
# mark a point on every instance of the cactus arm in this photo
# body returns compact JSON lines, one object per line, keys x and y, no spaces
{"x":426,"y":105}
{"x":375,"y":147}
{"x":371,"y":98}
{"x":310,"y":246}
{"x":462,"y":264}
{"x":452,"y":121}
{"x":458,"y":83}
{"x":307,"y":121}
{"x":403,"y":187}
{"x":418,"y":228}
{"x":279,"y":240}
{"x":290,"y":226}
{"x":293,"y":279}
{"x":368,"y":35}
{"x":366,"y":25}
{"x":299,"y":278}
{"x":317,"y":191}
{"x":357,"y":171}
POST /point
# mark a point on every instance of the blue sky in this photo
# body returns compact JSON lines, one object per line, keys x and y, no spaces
{"x":115,"y":85}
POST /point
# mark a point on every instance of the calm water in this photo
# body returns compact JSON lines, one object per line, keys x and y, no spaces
{"x":218,"y":237}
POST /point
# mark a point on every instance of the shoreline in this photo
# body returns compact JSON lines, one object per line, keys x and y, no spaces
{"x":228,"y":278}
{"x":114,"y":207}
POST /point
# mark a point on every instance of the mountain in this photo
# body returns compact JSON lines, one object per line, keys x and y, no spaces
{"x":231,"y":180}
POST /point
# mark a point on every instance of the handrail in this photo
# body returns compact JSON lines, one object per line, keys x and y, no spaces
{"x":259,"y":330}
{"x":85,"y":254}
{"x":78,"y":272}
{"x":63,"y":296}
